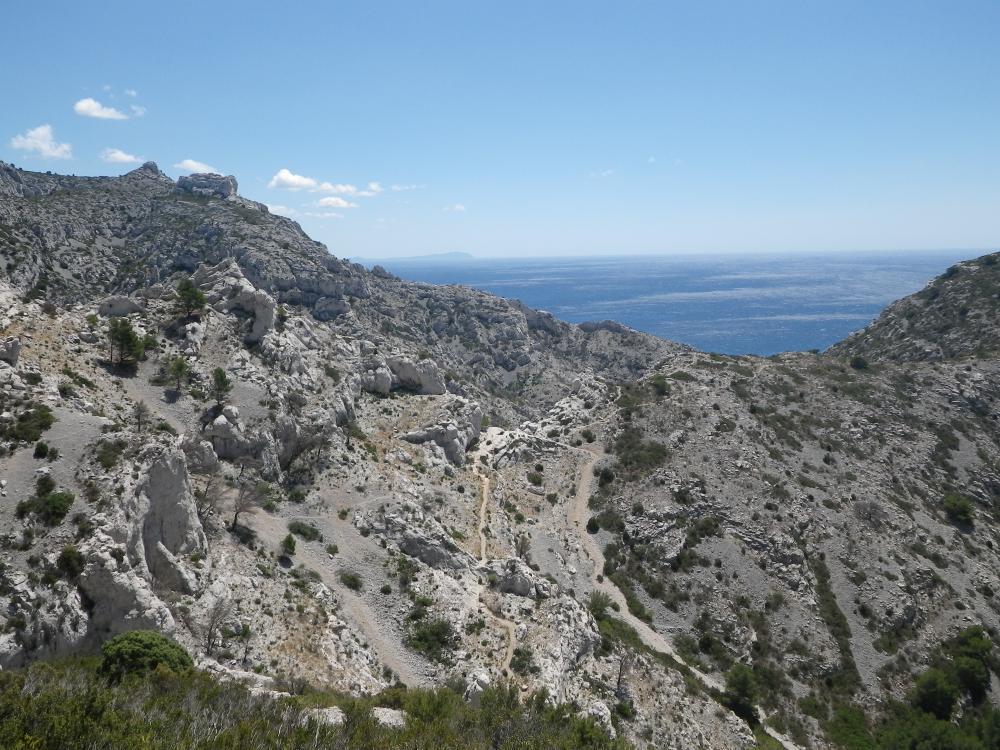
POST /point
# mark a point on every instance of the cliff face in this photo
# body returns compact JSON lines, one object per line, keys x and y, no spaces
{"x":387,"y":480}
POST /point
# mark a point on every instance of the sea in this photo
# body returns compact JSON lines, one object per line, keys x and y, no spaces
{"x":730,"y":304}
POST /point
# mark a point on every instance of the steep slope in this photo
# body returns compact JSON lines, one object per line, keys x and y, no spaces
{"x":71,"y":239}
{"x":956,"y":315}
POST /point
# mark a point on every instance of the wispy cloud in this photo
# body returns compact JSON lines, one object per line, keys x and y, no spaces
{"x":195,"y":166}
{"x":404,"y":188}
{"x":323,"y":215}
{"x":276,"y":208}
{"x":137,"y":111}
{"x":117,"y":156}
{"x":334,"y":201}
{"x":132,"y":93}
{"x":92,"y":108}
{"x":41,"y":141}
{"x":602,"y":173}
{"x":455,"y":208}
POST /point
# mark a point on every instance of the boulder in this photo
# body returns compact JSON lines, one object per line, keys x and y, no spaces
{"x":227,"y":289}
{"x":209,"y":185}
{"x":164,"y":523}
{"x":328,"y":308}
{"x":454,"y":433}
{"x":117,"y":307}
{"x":122,"y":599}
{"x":418,"y":535}
{"x":513,"y":576}
{"x":389,"y":717}
{"x":200,"y":454}
{"x":424,"y":377}
{"x":330,"y":716}
{"x":10,"y":350}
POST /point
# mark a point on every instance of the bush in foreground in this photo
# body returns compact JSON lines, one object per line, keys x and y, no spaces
{"x":142,"y":651}
{"x":70,"y":704}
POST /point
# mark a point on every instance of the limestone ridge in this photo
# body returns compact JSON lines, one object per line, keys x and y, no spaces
{"x":318,"y":472}
{"x":956,"y":315}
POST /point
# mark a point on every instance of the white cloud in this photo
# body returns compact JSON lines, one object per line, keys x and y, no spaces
{"x":603,"y":173}
{"x":288,"y":180}
{"x":137,"y":111}
{"x":193,"y":166}
{"x":131,"y":92}
{"x":335,"y":202}
{"x":455,"y":208}
{"x":404,"y":188}
{"x":337,"y":188}
{"x":92,"y":108}
{"x":41,"y":141}
{"x":284,"y":178}
{"x":117,"y":156}
{"x":281,"y":210}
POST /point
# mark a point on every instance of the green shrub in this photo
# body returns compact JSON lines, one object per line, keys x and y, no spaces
{"x":48,"y":505}
{"x":41,"y":449}
{"x":142,"y":651}
{"x":288,"y":545}
{"x":69,"y":704}
{"x":305,"y":530}
{"x":433,"y":638}
{"x":523,"y":661}
{"x":936,"y":693}
{"x":741,"y":692}
{"x":70,"y":562}
{"x":109,"y":452}
{"x":958,"y":508}
{"x":636,"y":454}
{"x":30,"y":424}
{"x":598,"y":604}
{"x":351,"y":579}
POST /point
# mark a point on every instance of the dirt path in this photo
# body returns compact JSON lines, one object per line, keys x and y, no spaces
{"x":578,"y":515}
{"x":503,"y":622}
{"x":388,"y":647}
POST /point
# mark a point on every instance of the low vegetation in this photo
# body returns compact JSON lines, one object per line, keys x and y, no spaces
{"x":144,"y":694}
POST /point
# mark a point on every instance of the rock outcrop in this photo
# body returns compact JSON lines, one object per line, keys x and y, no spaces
{"x":228,"y":290}
{"x":454,"y":433}
{"x":209,"y":185}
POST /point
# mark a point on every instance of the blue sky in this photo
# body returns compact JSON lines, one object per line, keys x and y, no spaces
{"x":536,"y":128}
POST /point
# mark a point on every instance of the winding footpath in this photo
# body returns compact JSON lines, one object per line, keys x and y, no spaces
{"x":578,"y":515}
{"x":503,"y":622}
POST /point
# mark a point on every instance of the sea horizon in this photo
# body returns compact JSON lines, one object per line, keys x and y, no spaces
{"x":739,"y":303}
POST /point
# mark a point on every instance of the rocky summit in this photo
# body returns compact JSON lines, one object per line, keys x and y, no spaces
{"x":310,"y":474}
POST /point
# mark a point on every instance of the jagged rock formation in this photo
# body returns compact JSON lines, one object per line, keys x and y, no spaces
{"x":466,"y":480}
{"x":209,"y":185}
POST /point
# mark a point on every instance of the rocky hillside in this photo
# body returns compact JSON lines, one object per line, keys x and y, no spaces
{"x":954,"y":316}
{"x":307,"y":473}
